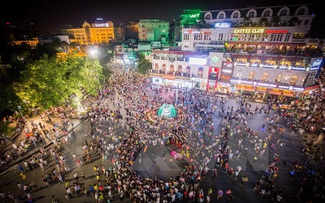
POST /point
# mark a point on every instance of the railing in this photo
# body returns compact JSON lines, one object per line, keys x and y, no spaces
{"x":154,"y":71}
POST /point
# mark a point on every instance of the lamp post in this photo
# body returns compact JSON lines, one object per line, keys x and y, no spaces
{"x":19,"y":108}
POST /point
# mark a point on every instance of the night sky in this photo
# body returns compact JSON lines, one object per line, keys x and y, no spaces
{"x":50,"y":15}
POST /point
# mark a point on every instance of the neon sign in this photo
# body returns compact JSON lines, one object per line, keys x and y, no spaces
{"x":222,"y":25}
{"x":249,"y":31}
{"x":194,"y":15}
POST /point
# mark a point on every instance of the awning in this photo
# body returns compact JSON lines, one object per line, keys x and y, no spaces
{"x":245,"y":88}
{"x":261,"y":89}
{"x":288,"y":93}
{"x":275,"y":91}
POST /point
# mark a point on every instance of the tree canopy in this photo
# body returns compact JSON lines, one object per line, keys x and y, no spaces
{"x":144,"y":65}
{"x":53,"y":81}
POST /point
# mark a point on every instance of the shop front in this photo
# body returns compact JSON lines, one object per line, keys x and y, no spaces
{"x":199,"y":83}
{"x":173,"y":81}
{"x":248,"y":90}
{"x":260,"y":93}
{"x":227,"y":67}
{"x":275,"y":92}
{"x":288,"y":93}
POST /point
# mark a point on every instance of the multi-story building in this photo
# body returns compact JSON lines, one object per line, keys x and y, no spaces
{"x":131,"y":30}
{"x":98,"y":32}
{"x":261,"y":50}
{"x":119,"y":32}
{"x":257,"y":27}
{"x":153,"y":30}
{"x":185,"y":68}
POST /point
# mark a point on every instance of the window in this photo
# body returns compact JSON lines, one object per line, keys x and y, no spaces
{"x":208,"y":16}
{"x":278,"y":78}
{"x":272,"y":38}
{"x":293,"y":80}
{"x":251,"y":75}
{"x":299,"y":22}
{"x":221,"y":16}
{"x":306,"y":22}
{"x":287,"y":37}
{"x":197,"y":36}
{"x":171,"y":68}
{"x":283,"y":12}
{"x":301,"y":11}
{"x":164,"y":67}
{"x":156,"y":66}
{"x":179,"y":68}
{"x":220,"y":37}
{"x":207,"y":36}
{"x":267,"y":13}
{"x":200,"y":72}
{"x":279,"y":37}
{"x":186,"y":36}
{"x":235,"y":15}
{"x":142,"y":26}
{"x":265,"y":77}
{"x":186,"y":44}
{"x":251,"y":14}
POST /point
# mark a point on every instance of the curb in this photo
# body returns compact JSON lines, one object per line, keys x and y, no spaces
{"x":31,"y":153}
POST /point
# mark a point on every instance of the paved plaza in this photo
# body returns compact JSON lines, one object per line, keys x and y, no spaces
{"x":150,"y":163}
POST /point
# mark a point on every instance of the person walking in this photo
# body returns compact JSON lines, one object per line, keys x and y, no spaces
{"x":75,"y":175}
{"x":220,"y":194}
{"x":21,"y":168}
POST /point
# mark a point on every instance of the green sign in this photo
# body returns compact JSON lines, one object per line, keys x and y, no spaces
{"x":215,"y":59}
{"x":194,"y":15}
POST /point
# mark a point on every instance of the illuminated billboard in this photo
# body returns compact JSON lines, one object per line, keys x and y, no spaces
{"x":197,"y":61}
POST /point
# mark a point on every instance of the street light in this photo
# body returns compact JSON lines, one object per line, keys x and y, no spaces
{"x":28,"y":131}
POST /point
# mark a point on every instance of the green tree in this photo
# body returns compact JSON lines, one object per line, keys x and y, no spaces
{"x":144,"y":66}
{"x":54,"y":81}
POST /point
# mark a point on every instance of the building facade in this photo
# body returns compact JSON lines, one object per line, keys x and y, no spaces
{"x":98,"y":32}
{"x":259,"y":51}
{"x":255,"y":27}
{"x":119,"y":32}
{"x":153,"y":30}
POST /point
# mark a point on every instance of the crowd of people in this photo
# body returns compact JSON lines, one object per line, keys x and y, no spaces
{"x":122,"y":131}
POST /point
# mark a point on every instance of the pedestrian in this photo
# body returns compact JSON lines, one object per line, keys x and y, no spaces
{"x":83,"y":176}
{"x":220,"y":194}
{"x":21,"y":168}
{"x":76,"y":177}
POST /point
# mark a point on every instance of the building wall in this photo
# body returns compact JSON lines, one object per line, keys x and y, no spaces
{"x":286,"y":75}
{"x":152,"y":30}
{"x":101,"y":35}
{"x":95,"y":33}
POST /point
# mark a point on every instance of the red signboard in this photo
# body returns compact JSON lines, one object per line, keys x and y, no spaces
{"x":276,"y":31}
